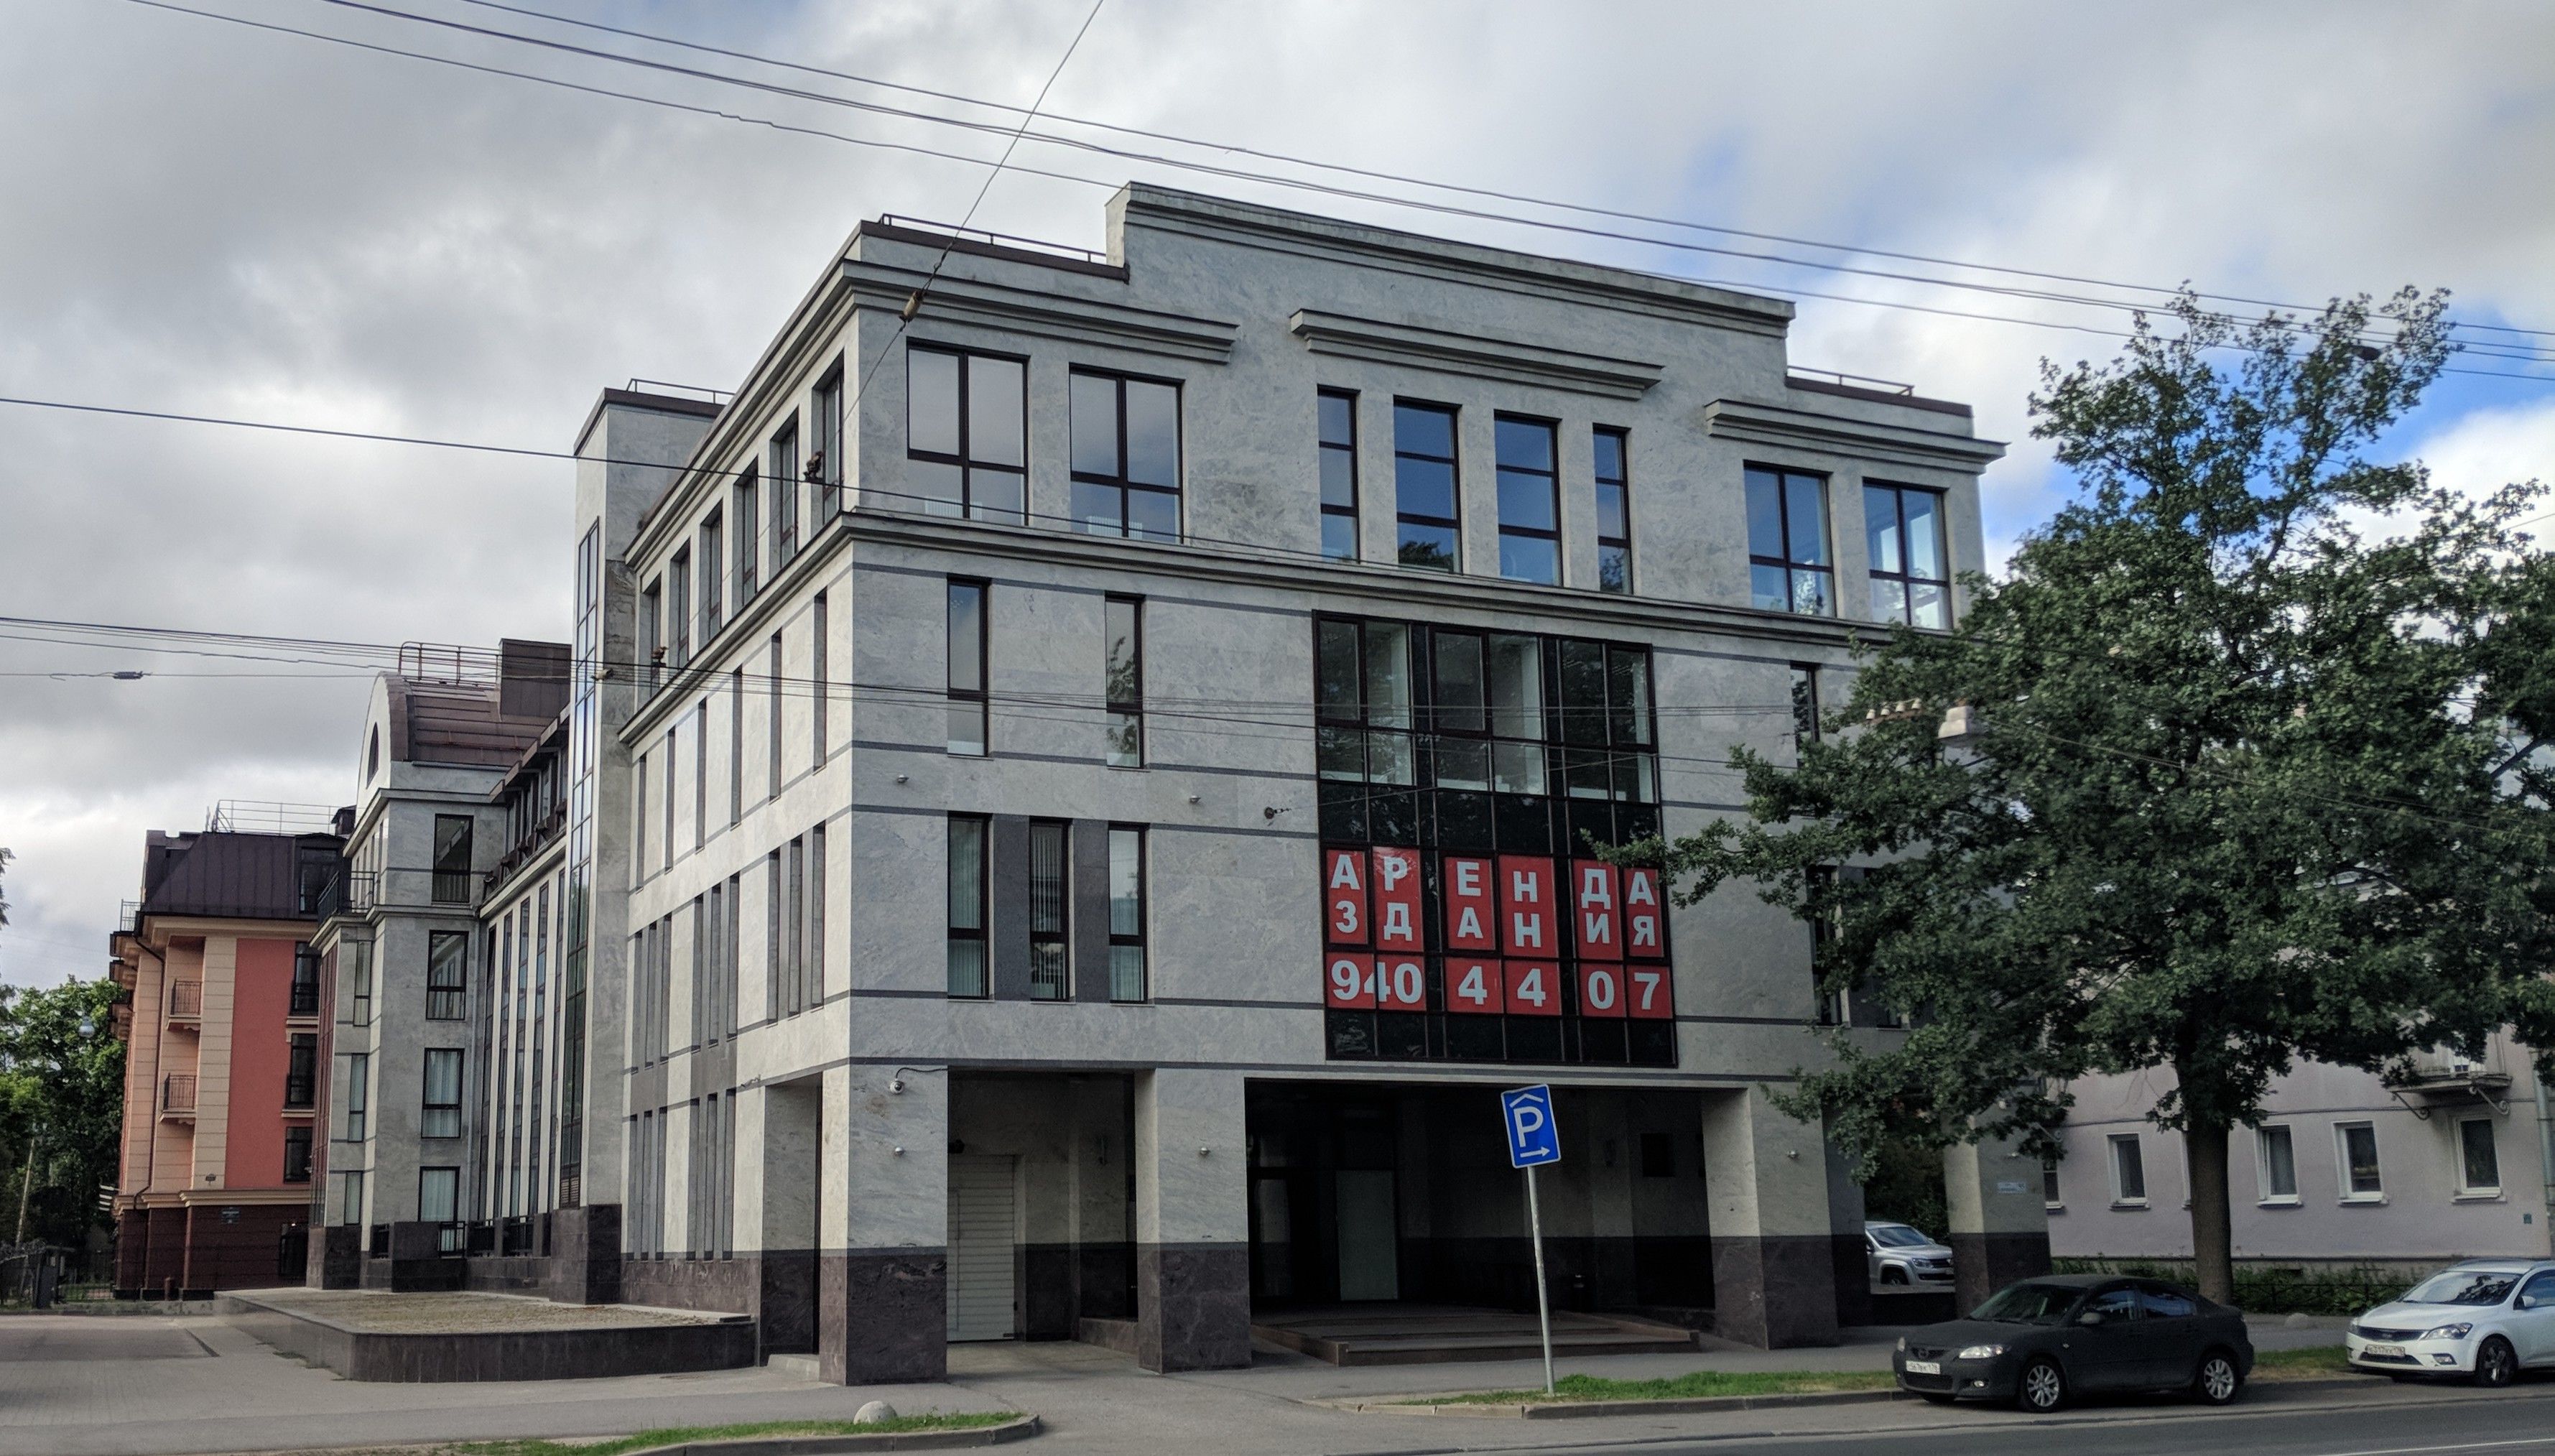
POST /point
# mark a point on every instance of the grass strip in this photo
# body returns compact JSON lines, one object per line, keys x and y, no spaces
{"x":673,"y":1435}
{"x":2312,"y":1363}
{"x":1701,"y":1384}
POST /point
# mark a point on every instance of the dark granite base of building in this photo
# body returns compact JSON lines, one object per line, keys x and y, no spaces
{"x":723,"y":1286}
{"x":785,"y":1299}
{"x":883,"y":1316}
{"x":1775,"y":1292}
{"x":1983,"y":1263}
{"x":1192,"y":1306}
{"x":1850,"y":1265}
{"x":190,"y":1251}
{"x":337,"y":1258}
{"x":585,"y":1255}
{"x":534,"y":1355}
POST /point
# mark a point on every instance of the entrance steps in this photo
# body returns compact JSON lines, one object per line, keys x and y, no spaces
{"x":1423,"y":1334}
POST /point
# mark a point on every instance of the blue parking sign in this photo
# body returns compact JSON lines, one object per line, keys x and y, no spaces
{"x":1532,"y":1138}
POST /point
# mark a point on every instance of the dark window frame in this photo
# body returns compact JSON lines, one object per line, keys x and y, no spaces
{"x":781,"y":455}
{"x":1123,"y":688}
{"x":302,"y":1071}
{"x":982,"y":827}
{"x":970,"y":700}
{"x":826,"y":454}
{"x":817,"y":667}
{"x":1122,"y":482}
{"x":447,"y":976}
{"x":1906,"y":578}
{"x":964,"y":460}
{"x":1135,"y":939}
{"x":1051,"y":910}
{"x":1620,"y":578}
{"x":426,"y":1108}
{"x":1791,"y":563}
{"x":744,"y":509}
{"x":1326,"y":448}
{"x":305,"y":1002}
{"x":711,"y":556}
{"x":296,"y":1154}
{"x":452,"y":860}
{"x":678,"y":606}
{"x":1453,"y":461}
{"x":1551,"y":477}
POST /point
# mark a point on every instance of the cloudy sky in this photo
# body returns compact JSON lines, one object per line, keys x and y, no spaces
{"x":205,"y":217}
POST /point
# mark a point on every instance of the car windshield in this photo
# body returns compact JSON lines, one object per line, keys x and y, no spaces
{"x":1898,"y":1236}
{"x":2464,"y":1286}
{"x":2028,"y":1303}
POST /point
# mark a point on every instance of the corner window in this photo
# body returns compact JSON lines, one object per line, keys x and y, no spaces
{"x":1337,"y":410}
{"x":1127,"y":979}
{"x":966,"y":436}
{"x":1790,"y":569}
{"x":1424,"y":486}
{"x":781,"y":458}
{"x":2129,"y":1171}
{"x":2276,"y":1160}
{"x":2356,"y":1147}
{"x":1125,"y":680}
{"x":967,"y":905}
{"x":967,"y":696}
{"x":1903,"y":529}
{"x":440,"y":1115}
{"x":1048,"y":913}
{"x":447,"y":959}
{"x":1125,"y":456}
{"x":2478,"y":1162}
{"x":1530,"y":502}
{"x":1614,"y":511}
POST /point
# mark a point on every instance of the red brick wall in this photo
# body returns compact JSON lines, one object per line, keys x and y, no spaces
{"x":260,"y":1051}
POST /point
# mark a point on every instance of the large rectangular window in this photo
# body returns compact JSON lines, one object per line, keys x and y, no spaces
{"x":301,"y":1070}
{"x":1488,"y":711}
{"x":700,"y":773}
{"x":816,"y":689}
{"x":1363,"y":703}
{"x":1903,"y":529}
{"x":771,"y":698}
{"x":1123,"y":676}
{"x":1789,"y":568}
{"x":1614,"y":511}
{"x":447,"y":960}
{"x":2355,"y":1148}
{"x":452,"y":859}
{"x":2276,"y":1165}
{"x":742,"y":508}
{"x":296,"y":1154}
{"x":440,"y":1112}
{"x":782,"y":456}
{"x":1424,"y":486}
{"x":736,"y":747}
{"x":1049,"y":890}
{"x":1125,"y":456}
{"x":967,"y":905}
{"x":359,"y":1094}
{"x":438,"y":1195}
{"x":2129,"y":1171}
{"x":712,"y":558}
{"x":2478,"y":1162}
{"x":1125,"y":913}
{"x":678,"y":607}
{"x":305,"y":982}
{"x":1338,"y":429}
{"x":1529,"y":501}
{"x":966,"y":436}
{"x":825,"y":444}
{"x":967,"y":676}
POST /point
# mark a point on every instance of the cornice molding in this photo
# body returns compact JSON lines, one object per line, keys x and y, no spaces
{"x":1750,"y":423}
{"x":1483,"y":356}
{"x":1047,"y":315}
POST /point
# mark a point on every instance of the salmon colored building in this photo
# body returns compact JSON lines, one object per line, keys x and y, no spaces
{"x":226,"y":1062}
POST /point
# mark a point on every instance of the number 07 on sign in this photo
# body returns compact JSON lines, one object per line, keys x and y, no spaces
{"x":1534,"y":1141}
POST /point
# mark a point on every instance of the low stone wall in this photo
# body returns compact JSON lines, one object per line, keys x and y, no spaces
{"x":559,"y":1352}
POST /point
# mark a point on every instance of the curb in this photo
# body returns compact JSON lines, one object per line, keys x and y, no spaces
{"x":975,"y":1435}
{"x":1576,"y":1409}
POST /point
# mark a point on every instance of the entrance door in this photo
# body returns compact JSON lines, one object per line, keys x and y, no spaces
{"x":981,"y":1235}
{"x":1370,"y":1266}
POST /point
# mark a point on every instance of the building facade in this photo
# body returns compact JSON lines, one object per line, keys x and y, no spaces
{"x":225,"y":1005}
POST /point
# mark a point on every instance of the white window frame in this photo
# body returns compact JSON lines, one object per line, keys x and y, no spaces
{"x":2458,"y":1153}
{"x":2112,"y":1165}
{"x":2341,"y":1161}
{"x":2263,"y":1167}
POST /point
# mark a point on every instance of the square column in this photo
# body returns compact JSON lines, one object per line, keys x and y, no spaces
{"x":883,"y":1226}
{"x":1193,"y":1227}
{"x":1999,"y":1222}
{"x":1774,"y":1269}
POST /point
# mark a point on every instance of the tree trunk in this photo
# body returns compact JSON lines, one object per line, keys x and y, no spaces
{"x":2212,"y":1235}
{"x":26,"y":1186}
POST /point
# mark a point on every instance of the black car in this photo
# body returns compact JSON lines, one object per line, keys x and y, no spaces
{"x":2042,"y":1342}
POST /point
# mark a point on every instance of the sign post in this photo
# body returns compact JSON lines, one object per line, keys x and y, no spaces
{"x":1534,"y":1141}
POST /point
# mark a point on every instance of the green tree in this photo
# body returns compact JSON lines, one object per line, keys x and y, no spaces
{"x":62,"y":1106}
{"x":2245,"y":785}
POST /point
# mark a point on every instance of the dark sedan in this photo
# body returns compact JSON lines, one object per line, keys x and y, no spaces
{"x":2045,"y":1340}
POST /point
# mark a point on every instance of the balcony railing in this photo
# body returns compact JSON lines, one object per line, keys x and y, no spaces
{"x":305,"y":1000}
{"x":297,"y":1091}
{"x":347,"y":890}
{"x":178,"y":1095}
{"x":186,"y":1000}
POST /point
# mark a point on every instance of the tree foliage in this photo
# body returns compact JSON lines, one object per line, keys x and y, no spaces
{"x":2250,"y":781}
{"x":61,"y":1105}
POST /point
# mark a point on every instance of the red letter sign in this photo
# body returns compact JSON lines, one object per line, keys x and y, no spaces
{"x":1646,"y":993}
{"x":1534,"y":988}
{"x":1396,"y":900}
{"x":1601,"y":989}
{"x":1344,"y":897}
{"x":1472,"y":910}
{"x":1645,"y":921}
{"x":1595,"y":918}
{"x":1529,"y":927}
{"x":1348,"y":983}
{"x":1400,"y":984}
{"x":1474,"y":986}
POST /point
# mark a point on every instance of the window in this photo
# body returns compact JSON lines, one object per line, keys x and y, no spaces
{"x":713,"y":607}
{"x":373,"y":754}
{"x":781,"y":458}
{"x":300,"y":1070}
{"x":1658,"y":1156}
{"x":700,"y":773}
{"x":639,"y":818}
{"x":772,"y":701}
{"x":2355,"y":1144}
{"x":305,"y":982}
{"x":1363,"y":703}
{"x":1805,"y":706}
{"x":815,"y":903}
{"x":296,"y":1154}
{"x":1606,"y":722}
{"x":2275,"y":1161}
{"x":1424,"y":486}
{"x":1834,"y":1003}
{"x":1614,"y":511}
{"x":1125,"y":913}
{"x":441,"y":1109}
{"x":1530,"y":502}
{"x":2159,"y":1301}
{"x":967,"y":669}
{"x":359,"y":1093}
{"x":1337,"y":410}
{"x":2050,"y":1184}
{"x":825,"y":444}
{"x":966,"y":906}
{"x":651,"y":635}
{"x":736,"y":748}
{"x":1125,"y":456}
{"x":678,"y":607}
{"x":438,"y":1195}
{"x":2479,"y":1164}
{"x":1124,"y":681}
{"x":817,"y":686}
{"x":966,"y":436}
{"x":452,"y":859}
{"x":359,"y":973}
{"x":2129,"y":1171}
{"x":749,"y":549}
{"x":1789,"y":567}
{"x":1047,"y":893}
{"x":1903,"y":529}
{"x":350,"y":1208}
{"x":447,"y":958}
{"x":670,"y":759}
{"x":1490,"y":716}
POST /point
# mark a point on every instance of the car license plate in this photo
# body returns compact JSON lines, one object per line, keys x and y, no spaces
{"x":1924,"y":1367}
{"x":2381,"y":1349}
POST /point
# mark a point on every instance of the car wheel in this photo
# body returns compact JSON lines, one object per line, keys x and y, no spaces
{"x":2496,"y":1365}
{"x":2217,"y":1381}
{"x":2042,"y":1387}
{"x":1892,"y":1275}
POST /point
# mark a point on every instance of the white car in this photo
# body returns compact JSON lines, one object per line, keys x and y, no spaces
{"x":1900,"y":1254}
{"x":2485,"y":1319}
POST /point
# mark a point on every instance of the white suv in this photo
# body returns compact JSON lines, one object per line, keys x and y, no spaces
{"x":2484,"y":1318}
{"x":1898,"y":1254}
